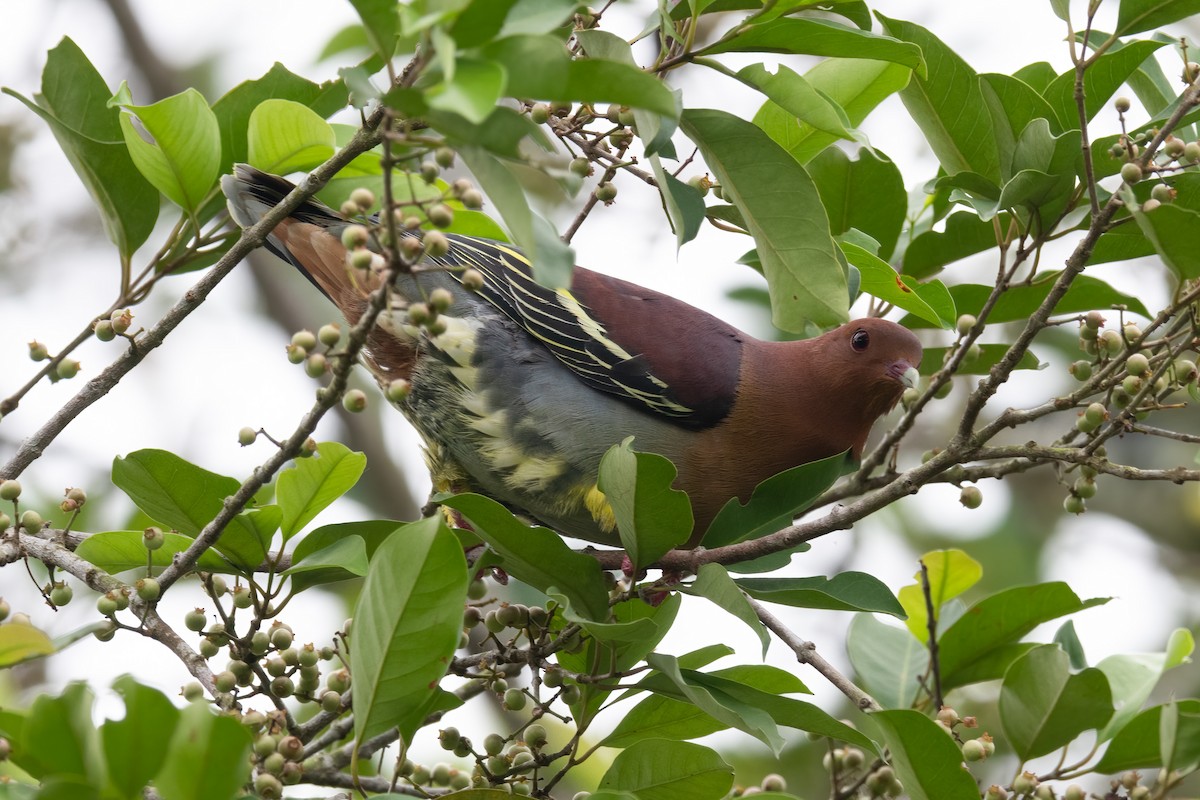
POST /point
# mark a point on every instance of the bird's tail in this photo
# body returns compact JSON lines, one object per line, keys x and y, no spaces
{"x":309,"y":239}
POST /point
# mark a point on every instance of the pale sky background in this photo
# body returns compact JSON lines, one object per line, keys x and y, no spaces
{"x":224,"y":368}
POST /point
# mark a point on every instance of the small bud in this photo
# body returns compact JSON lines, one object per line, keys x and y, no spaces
{"x":354,"y":401}
{"x":153,"y":538}
{"x":308,"y":448}
{"x":247,"y":436}
{"x":1122,"y":104}
{"x":965,"y":323}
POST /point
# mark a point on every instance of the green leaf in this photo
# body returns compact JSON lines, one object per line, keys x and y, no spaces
{"x":1136,"y":16}
{"x":774,"y":503}
{"x":1001,"y":619}
{"x":713,"y":582}
{"x":783,"y":211}
{"x":1133,"y":677}
{"x":59,"y":730}
{"x":285,"y":136}
{"x":1044,"y":707}
{"x":172,"y":490}
{"x":1100,"y":82}
{"x":846,"y":591}
{"x":989,"y":356}
{"x":817,"y":37}
{"x":683,"y":203}
{"x":74,"y":103}
{"x":652,"y":518}
{"x":234,"y":108}
{"x":1013,"y":105}
{"x":19,"y":642}
{"x":854,"y":85}
{"x":210,"y":757}
{"x":927,"y":761}
{"x":1174,"y":232}
{"x":1019,"y":302}
{"x":1139,"y":744}
{"x":182,"y":155}
{"x":552,"y":259}
{"x":657,"y":769}
{"x":951,"y":572}
{"x":965,"y":235}
{"x":880,"y":280}
{"x":117,"y":551}
{"x":866,"y":194}
{"x":948,"y":105}
{"x":382,"y":24}
{"x":541,"y":67}
{"x":407,"y":622}
{"x":311,"y":484}
{"x":535,"y":555}
{"x":1066,"y":638}
{"x":888,"y":660}
{"x":342,"y":559}
{"x":795,"y":95}
{"x":136,"y":746}
{"x":473,"y":91}
{"x":316,"y":558}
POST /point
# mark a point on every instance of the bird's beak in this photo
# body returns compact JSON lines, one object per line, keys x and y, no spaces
{"x":905,"y":373}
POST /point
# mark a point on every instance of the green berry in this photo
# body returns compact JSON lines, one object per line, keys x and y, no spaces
{"x":1094,"y":320}
{"x":315,"y":365}
{"x":606,"y":192}
{"x":539,"y":114}
{"x":329,"y":335}
{"x":1095,"y":413}
{"x":1132,"y":385}
{"x":514,"y":699}
{"x":971,"y":497}
{"x":192,"y":692}
{"x":38,"y":351}
{"x":1132,"y":332}
{"x":61,"y":594}
{"x":10,"y":490}
{"x":31,"y":521}
{"x":440,"y":300}
{"x":472,"y":198}
{"x":535,"y":736}
{"x":290,"y":747}
{"x":1074,"y":504}
{"x":247,"y":436}
{"x":208,"y":648}
{"x":147,"y":589}
{"x":67,"y":368}
{"x":441,"y":216}
{"x":105,"y":633}
{"x":1112,"y":342}
{"x":267,"y":786}
{"x":581,"y":167}
{"x":153,"y":538}
{"x":1162,"y":193}
{"x":363,"y":197}
{"x":354,"y":401}
{"x":296,"y":355}
{"x":449,"y":738}
{"x":1191,"y":151}
{"x":281,"y":636}
{"x":305,"y":339}
{"x":354,"y":236}
{"x":5,"y":609}
{"x":398,"y":390}
{"x":338,"y":681}
{"x":1081,"y":370}
{"x":283,"y":686}
{"x":331,"y":701}
{"x":972,"y":750}
{"x":1131,"y":173}
{"x":444,"y":156}
{"x":225,"y":681}
{"x":1122,"y":104}
{"x":242,"y":597}
{"x":965,"y":323}
{"x":106,"y":605}
{"x":196,"y":620}
{"x":436,"y":244}
{"x":104,"y":330}
{"x":1084,"y":487}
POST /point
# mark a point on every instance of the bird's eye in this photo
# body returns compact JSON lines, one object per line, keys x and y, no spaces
{"x":860,"y":339}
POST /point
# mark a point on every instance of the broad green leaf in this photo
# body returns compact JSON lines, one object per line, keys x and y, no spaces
{"x":234,"y":108}
{"x":285,"y":136}
{"x":209,"y":757}
{"x":657,"y":769}
{"x":965,"y":235}
{"x":713,"y":582}
{"x":136,"y":746}
{"x":1019,"y":302}
{"x":783,"y":210}
{"x":846,"y":591}
{"x":535,"y":555}
{"x":795,"y":95}
{"x":1138,"y":745}
{"x":1100,"y":82}
{"x":1136,"y":16}
{"x":407,"y":622}
{"x":19,"y":642}
{"x":683,"y":203}
{"x":1002,"y":619}
{"x":652,"y":518}
{"x":381,"y":22}
{"x":552,"y":259}
{"x":948,"y":105}
{"x":308,"y":486}
{"x":818,"y":37}
{"x":989,"y":356}
{"x":927,"y":761}
{"x":1044,"y":707}
{"x":1133,"y":677}
{"x":541,"y":67}
{"x":182,"y":155}
{"x":117,"y":551}
{"x":951,"y":572}
{"x":171,"y":490}
{"x":888,"y":660}
{"x":74,"y":103}
{"x":1062,"y":9}
{"x":855,"y":85}
{"x":59,"y":730}
{"x":1013,"y":105}
{"x":473,"y":91}
{"x":316,"y":559}
{"x":342,"y":559}
{"x":866,"y":194}
{"x":1174,"y":232}
{"x":1066,"y":638}
{"x":880,"y":280}
{"x":774,"y":503}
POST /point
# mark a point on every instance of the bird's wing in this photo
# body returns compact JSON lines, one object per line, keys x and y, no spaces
{"x":644,"y":347}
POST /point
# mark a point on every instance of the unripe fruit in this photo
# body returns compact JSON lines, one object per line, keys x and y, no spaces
{"x":147,"y":589}
{"x":539,"y":114}
{"x":354,"y":401}
{"x":354,"y":236}
{"x":419,"y":314}
{"x":441,"y":216}
{"x":103,"y":329}
{"x":436,"y":328}
{"x":1150,"y":205}
{"x":208,"y":648}
{"x":31,"y":521}
{"x":192,"y":692}
{"x":472,"y":198}
{"x":430,"y":172}
{"x":1074,"y":504}
{"x":1162,"y":193}
{"x":1025,"y":783}
{"x":1131,"y":173}
{"x":493,"y":744}
{"x":338,"y":681}
{"x":329,"y":335}
{"x":61,"y":594}
{"x":153,"y":538}
{"x":225,"y":681}
{"x":304,"y":339}
{"x":995,"y":792}
{"x":106,"y":605}
{"x":1084,"y":487}
{"x":971,"y":497}
{"x":38,"y":351}
{"x":1075,"y":792}
{"x":1094,"y":320}
{"x":535,"y":736}
{"x":290,"y":747}
{"x":195,"y":620}
{"x":315,"y":365}
{"x":10,"y":490}
{"x":282,"y":686}
{"x":1132,"y":332}
{"x":267,"y":786}
{"x":965,"y":323}
{"x":363,"y":198}
{"x":1112,"y":342}
{"x":514,"y":699}
{"x":67,"y":368}
{"x":973,"y":750}
{"x":461,"y":185}
{"x":444,"y":156}
{"x":1121,"y":104}
{"x":606,"y":192}
{"x":1081,"y":370}
{"x":1191,"y":151}
{"x":398,"y":390}
{"x":436,"y":244}
{"x":581,"y":167}
{"x":1096,"y":413}
{"x":472,"y":280}
{"x":331,"y":701}
{"x":5,"y":522}
{"x":296,"y":355}
{"x":281,"y":636}
{"x":1137,"y":364}
{"x":700,"y":183}
{"x":440,"y":300}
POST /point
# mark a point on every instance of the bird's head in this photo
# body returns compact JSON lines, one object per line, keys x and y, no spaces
{"x":879,"y":357}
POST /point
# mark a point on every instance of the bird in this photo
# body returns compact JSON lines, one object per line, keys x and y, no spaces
{"x":522,"y":389}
